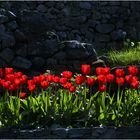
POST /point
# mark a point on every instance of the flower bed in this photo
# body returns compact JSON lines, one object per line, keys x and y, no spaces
{"x":68,"y":99}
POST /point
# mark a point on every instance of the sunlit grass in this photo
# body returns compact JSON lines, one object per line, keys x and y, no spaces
{"x":128,"y":56}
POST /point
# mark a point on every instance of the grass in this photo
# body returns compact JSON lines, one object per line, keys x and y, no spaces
{"x":127,"y":56}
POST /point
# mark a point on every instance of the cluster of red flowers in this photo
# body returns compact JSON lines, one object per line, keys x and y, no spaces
{"x":12,"y":81}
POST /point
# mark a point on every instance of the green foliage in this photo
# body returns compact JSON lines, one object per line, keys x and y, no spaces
{"x":127,"y":56}
{"x":70,"y":109}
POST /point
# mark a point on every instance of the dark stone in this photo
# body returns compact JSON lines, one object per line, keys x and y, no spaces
{"x":7,"y":55}
{"x":2,"y":64}
{"x":60,"y":55}
{"x":59,"y":133}
{"x":93,"y":23}
{"x":85,"y":5}
{"x":9,"y":14}
{"x":20,"y":62}
{"x":35,"y":49}
{"x":66,"y":12}
{"x":3,"y":19}
{"x":22,"y":51}
{"x":41,"y":8}
{"x":62,"y":35}
{"x":79,"y":133}
{"x":98,"y":63}
{"x":59,"y":5}
{"x":102,"y":38}
{"x":51,"y":61}
{"x":19,"y":36}
{"x":7,"y":40}
{"x":2,"y":28}
{"x":50,"y":45}
{"x":118,"y":35}
{"x":77,"y":50}
{"x":12,"y":25}
{"x":36,"y":22}
{"x":106,"y":59}
{"x":38,"y":62}
{"x":105,"y":28}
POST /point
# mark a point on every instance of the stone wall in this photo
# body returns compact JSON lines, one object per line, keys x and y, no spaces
{"x":73,"y":133}
{"x":26,"y":44}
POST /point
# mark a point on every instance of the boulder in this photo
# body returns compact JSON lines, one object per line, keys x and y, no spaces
{"x":105,"y":28}
{"x":7,"y":55}
{"x":20,"y":62}
{"x":3,"y":19}
{"x":76,"y":50}
{"x":85,"y":5}
{"x":38,"y":62}
{"x":7,"y":40}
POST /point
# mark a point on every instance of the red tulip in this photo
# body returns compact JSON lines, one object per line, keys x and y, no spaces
{"x":134,"y":78}
{"x":17,"y":82}
{"x":1,"y":72}
{"x":44,"y":84}
{"x":110,"y":78}
{"x":56,"y":79}
{"x":49,"y":78}
{"x":63,"y":80}
{"x":119,"y":72}
{"x":106,"y":70}
{"x":9,"y":77}
{"x":30,"y":82}
{"x":24,"y":78}
{"x":120,"y":80}
{"x":6,"y":84}
{"x":9,"y":71}
{"x":31,"y":87}
{"x":72,"y":89}
{"x":12,"y":87}
{"x":80,"y":79}
{"x":23,"y":95}
{"x":41,"y":78}
{"x":67,"y":74}
{"x":128,"y":78}
{"x":133,"y":70}
{"x":101,"y":79}
{"x":99,"y":70}
{"x":102,"y":88}
{"x":135,"y":85}
{"x":90,"y":81}
{"x":67,"y":85}
{"x":85,"y":69}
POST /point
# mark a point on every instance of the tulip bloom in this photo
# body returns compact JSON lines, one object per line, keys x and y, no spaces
{"x":133,"y":70}
{"x":72,"y":89}
{"x":63,"y":80}
{"x":135,"y":85}
{"x":67,"y":85}
{"x":102,"y":88}
{"x":120,"y":81}
{"x":90,"y":81}
{"x":101,"y":79}
{"x":67,"y":74}
{"x":9,"y":71}
{"x":44,"y":84}
{"x":110,"y":78}
{"x":22,"y":95}
{"x":119,"y":72}
{"x":80,"y":79}
{"x":128,"y":78}
{"x":56,"y":79}
{"x":99,"y":70}
{"x":31,"y":87}
{"x":85,"y":69}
